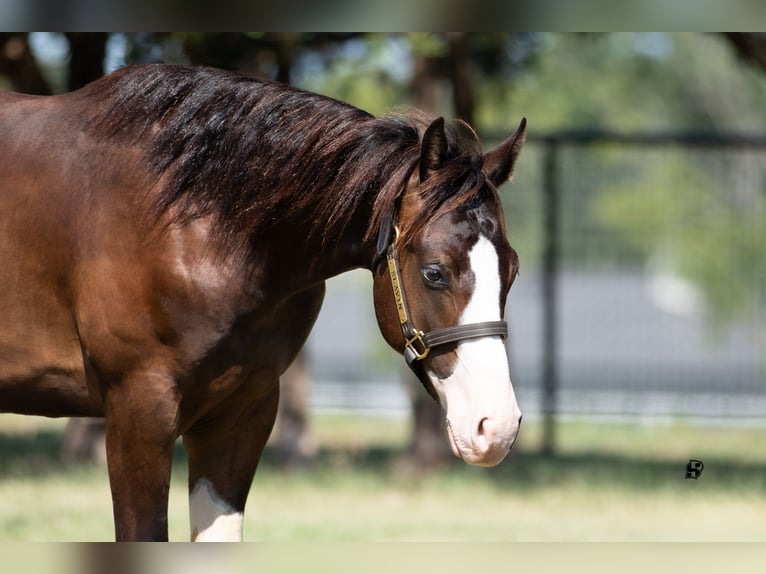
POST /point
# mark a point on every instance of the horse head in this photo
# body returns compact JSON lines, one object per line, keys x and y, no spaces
{"x":440,"y":300}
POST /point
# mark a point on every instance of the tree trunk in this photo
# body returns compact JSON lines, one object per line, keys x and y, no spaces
{"x":426,"y":88}
{"x":293,"y":441}
{"x":86,"y":57}
{"x":460,"y":75}
{"x":428,"y":445}
{"x":84,"y":441}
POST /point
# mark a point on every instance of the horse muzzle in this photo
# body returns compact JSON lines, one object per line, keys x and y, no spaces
{"x":489,"y":441}
{"x":482,"y":414}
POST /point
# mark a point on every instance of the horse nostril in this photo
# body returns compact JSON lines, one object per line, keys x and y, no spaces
{"x":482,"y":426}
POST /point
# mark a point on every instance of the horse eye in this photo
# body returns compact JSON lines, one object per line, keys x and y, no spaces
{"x":433,"y":275}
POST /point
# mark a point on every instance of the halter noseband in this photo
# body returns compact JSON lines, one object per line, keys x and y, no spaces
{"x":418,"y":344}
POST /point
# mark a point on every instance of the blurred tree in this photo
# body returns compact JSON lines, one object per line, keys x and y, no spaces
{"x":427,"y":441}
{"x":452,"y":63}
{"x":18,"y":64}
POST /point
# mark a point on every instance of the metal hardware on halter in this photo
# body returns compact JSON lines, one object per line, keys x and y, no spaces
{"x":410,"y":350}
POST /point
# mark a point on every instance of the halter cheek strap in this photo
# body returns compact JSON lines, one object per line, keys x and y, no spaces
{"x":418,"y":344}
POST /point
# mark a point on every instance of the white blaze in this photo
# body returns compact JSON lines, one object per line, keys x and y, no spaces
{"x":212,"y":518}
{"x":482,"y":413}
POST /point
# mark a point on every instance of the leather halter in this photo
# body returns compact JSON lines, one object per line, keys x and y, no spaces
{"x":418,"y":344}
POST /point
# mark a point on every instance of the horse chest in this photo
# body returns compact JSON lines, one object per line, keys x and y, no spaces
{"x":270,"y":336}
{"x":225,"y":315}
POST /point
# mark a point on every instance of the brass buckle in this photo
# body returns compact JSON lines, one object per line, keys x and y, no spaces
{"x":410,"y":344}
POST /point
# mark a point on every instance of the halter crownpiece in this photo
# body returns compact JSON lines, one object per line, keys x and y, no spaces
{"x":418,"y":344}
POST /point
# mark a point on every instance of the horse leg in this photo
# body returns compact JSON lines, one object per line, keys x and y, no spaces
{"x":224,"y":450}
{"x":141,"y":424}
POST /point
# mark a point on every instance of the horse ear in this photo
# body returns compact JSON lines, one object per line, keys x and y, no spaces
{"x":433,"y":149}
{"x":498,"y":163}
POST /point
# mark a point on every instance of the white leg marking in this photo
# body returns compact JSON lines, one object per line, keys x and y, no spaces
{"x":212,"y":518}
{"x":479,"y":389}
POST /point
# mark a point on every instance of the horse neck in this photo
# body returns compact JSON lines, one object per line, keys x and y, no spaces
{"x":299,"y":243}
{"x":327,"y":242}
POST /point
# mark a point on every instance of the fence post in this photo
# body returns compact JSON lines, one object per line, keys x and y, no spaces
{"x":550,"y":263}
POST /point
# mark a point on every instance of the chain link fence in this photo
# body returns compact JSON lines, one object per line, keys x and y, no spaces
{"x":646,"y":291}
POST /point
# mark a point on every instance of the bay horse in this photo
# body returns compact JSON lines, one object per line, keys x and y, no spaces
{"x":165,"y":237}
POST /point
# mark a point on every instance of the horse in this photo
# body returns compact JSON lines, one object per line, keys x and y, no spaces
{"x":165,"y":237}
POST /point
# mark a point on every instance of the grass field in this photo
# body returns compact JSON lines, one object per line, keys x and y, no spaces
{"x":607,"y":482}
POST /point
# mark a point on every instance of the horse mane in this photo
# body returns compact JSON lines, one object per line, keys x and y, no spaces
{"x":248,"y":151}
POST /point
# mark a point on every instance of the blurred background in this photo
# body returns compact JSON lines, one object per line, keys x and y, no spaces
{"x":638,"y":323}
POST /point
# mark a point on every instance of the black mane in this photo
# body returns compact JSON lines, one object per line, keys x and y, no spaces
{"x":249,"y":151}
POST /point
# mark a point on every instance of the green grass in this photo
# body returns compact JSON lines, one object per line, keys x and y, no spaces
{"x":607,"y":482}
